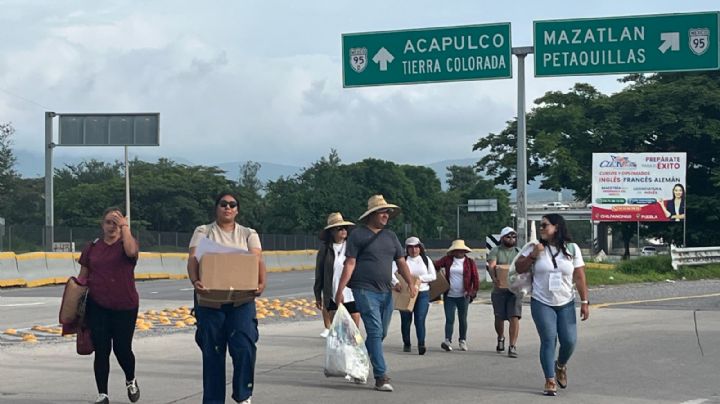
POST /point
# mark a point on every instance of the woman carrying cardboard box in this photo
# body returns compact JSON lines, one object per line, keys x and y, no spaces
{"x":231,"y":326}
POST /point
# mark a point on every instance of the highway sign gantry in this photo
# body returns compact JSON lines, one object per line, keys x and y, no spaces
{"x":471,"y":52}
{"x":634,"y":44}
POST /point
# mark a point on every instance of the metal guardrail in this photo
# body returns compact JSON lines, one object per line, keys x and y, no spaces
{"x":694,"y":256}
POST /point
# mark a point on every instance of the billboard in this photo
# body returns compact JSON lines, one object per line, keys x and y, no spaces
{"x":638,"y":187}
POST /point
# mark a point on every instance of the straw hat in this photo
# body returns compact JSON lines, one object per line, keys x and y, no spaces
{"x":458,"y":245}
{"x":334,"y":219}
{"x":377,"y":202}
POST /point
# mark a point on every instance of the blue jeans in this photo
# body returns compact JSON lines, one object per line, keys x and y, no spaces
{"x":554,"y":323}
{"x":422,"y":304}
{"x":375,"y":310}
{"x":450,"y":304}
{"x":233,"y":329}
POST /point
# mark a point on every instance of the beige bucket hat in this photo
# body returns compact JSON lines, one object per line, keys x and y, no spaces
{"x":458,"y":245}
{"x":377,"y":202}
{"x":334,"y":219}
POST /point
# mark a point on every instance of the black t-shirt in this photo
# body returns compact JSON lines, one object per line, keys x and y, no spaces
{"x":373,"y":268}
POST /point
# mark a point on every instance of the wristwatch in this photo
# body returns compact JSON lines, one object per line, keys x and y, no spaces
{"x":584,"y":301}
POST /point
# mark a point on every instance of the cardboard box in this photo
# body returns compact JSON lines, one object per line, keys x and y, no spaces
{"x":230,"y":277}
{"x":402,"y":299}
{"x":439,"y":286}
{"x":501,"y":273}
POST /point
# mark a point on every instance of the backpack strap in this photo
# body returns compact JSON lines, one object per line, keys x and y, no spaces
{"x":364,"y":246}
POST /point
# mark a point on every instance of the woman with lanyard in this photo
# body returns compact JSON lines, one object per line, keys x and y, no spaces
{"x":231,"y":326}
{"x":421,"y":267}
{"x":556,"y":263}
{"x":108,"y":264}
{"x":329,"y":267}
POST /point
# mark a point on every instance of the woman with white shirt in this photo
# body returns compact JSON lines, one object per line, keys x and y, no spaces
{"x":462,"y":275}
{"x":329,"y":267}
{"x":421,"y":267}
{"x":556,"y":263}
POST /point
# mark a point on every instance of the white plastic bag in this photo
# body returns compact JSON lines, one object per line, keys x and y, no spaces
{"x":520,"y":284}
{"x":345,"y":352}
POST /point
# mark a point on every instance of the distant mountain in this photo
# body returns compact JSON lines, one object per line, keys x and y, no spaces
{"x":534,"y":193}
{"x":32,"y":165}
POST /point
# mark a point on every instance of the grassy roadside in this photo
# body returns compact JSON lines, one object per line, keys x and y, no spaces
{"x":638,"y":270}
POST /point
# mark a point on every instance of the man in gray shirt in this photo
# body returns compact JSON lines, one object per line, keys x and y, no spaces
{"x":371,"y":250}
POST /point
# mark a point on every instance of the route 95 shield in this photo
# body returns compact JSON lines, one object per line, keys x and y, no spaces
{"x":358,"y":59}
{"x":699,"y":39}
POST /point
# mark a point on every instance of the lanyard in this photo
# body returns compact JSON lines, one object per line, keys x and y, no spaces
{"x":552,"y":256}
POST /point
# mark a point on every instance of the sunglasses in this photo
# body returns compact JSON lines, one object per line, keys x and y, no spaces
{"x":225,"y":204}
{"x":384,"y":211}
{"x":544,"y":225}
{"x":341,"y":228}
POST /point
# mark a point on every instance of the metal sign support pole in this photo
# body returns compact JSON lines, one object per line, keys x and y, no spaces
{"x":127,"y":186}
{"x":49,"y":208}
{"x":521,"y":191}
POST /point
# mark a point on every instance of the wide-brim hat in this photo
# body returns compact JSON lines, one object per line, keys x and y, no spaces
{"x":458,"y":245}
{"x":334,"y":219}
{"x":507,"y":230}
{"x":377,"y":202}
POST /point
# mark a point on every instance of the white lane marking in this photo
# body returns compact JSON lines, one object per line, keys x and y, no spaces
{"x":696,"y":401}
{"x":186,"y":289}
{"x":154,"y":293}
{"x":22,"y":304}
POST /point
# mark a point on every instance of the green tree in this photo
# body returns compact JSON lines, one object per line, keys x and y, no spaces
{"x":656,"y":113}
{"x":249,"y":189}
{"x":8,"y":175}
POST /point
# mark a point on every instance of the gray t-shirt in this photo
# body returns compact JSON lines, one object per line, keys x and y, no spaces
{"x":373,"y":268}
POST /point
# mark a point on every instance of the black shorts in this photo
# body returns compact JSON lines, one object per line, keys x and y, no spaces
{"x":350,"y":306}
{"x":506,"y":304}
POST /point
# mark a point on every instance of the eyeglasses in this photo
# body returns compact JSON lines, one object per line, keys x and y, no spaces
{"x":225,"y":204}
{"x":544,"y":225}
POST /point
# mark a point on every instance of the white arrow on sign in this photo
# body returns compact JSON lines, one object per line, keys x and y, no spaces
{"x":671,"y":40}
{"x":383,"y":57}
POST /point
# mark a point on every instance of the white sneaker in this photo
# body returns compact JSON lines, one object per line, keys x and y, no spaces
{"x":463,"y":345}
{"x":446,"y":345}
{"x":325,"y":333}
{"x":102,"y":399}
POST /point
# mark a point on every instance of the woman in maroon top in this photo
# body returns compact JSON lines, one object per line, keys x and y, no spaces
{"x":108,"y":264}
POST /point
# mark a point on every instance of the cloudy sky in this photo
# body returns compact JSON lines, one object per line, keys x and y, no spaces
{"x":261,"y":80}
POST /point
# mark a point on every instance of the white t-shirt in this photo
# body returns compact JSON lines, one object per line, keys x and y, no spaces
{"x":457,"y":287}
{"x":339,"y":251}
{"x":543,"y":270}
{"x":418,"y":268}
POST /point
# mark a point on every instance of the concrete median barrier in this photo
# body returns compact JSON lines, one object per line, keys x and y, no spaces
{"x":175,"y":265}
{"x":33,"y":268}
{"x":149,"y":266}
{"x":9,"y":275}
{"x":61,"y":266}
{"x":278,"y":261}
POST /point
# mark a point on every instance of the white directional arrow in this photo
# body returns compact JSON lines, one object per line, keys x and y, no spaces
{"x":383,"y":57}
{"x":671,"y":40}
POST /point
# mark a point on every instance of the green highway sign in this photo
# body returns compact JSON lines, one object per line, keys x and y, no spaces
{"x":471,"y":52}
{"x":634,"y":44}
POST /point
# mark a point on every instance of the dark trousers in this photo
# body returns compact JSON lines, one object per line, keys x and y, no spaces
{"x":420,"y":312}
{"x":111,"y":330}
{"x":232,"y":329}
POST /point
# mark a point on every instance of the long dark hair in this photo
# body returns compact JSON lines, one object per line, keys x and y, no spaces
{"x":562,"y":234}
